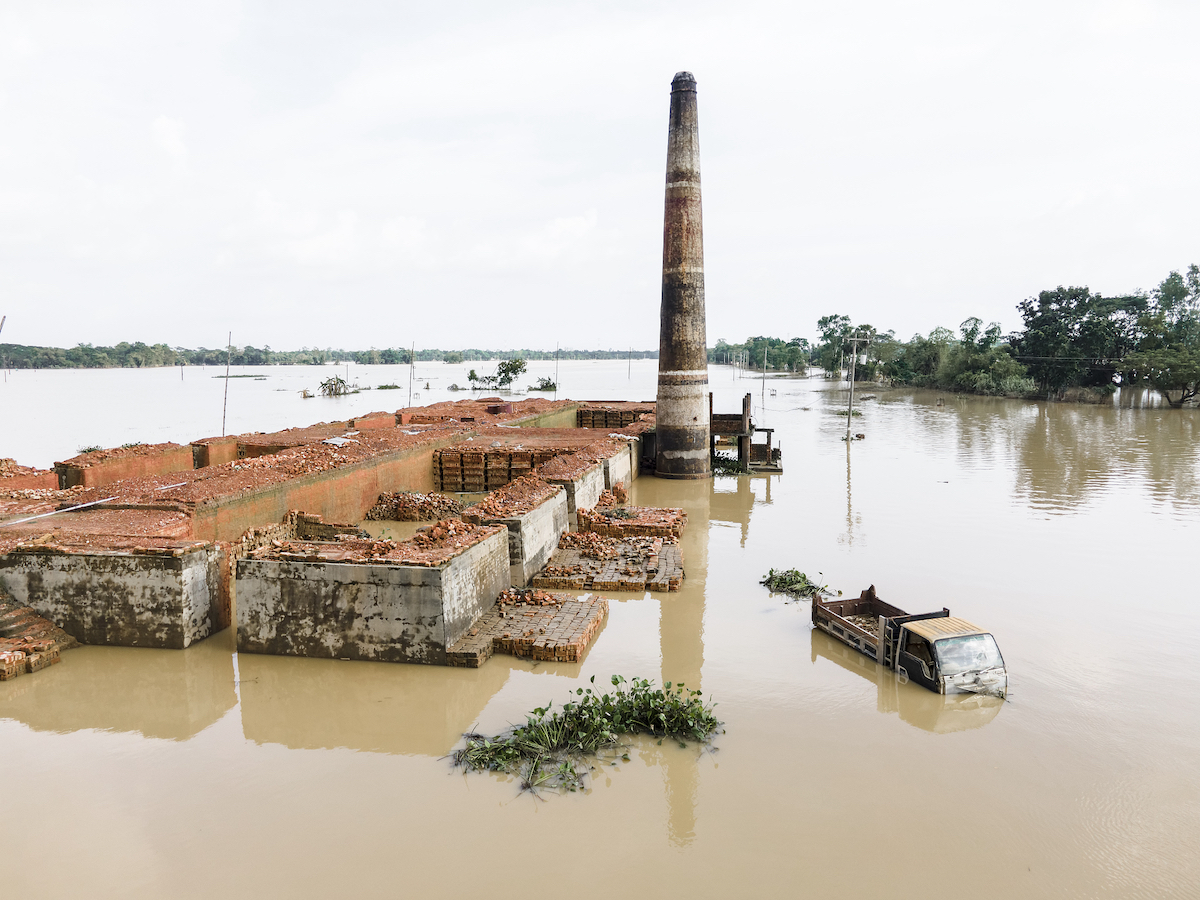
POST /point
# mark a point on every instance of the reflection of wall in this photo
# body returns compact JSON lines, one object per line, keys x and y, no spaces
{"x":377,"y":707}
{"x":171,"y":694}
{"x":938,"y":713}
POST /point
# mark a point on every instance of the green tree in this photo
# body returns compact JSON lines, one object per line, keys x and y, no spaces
{"x":1168,"y":355}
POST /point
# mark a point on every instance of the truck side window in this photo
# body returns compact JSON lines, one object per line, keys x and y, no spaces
{"x":917,"y":646}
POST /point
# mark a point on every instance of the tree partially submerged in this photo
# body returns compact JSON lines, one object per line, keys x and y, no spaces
{"x":1168,"y":354}
{"x":506,"y":372}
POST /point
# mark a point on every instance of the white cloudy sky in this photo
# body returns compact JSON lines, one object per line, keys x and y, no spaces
{"x":490,"y":174}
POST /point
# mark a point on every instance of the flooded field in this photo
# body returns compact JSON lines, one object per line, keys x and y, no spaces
{"x":1068,"y":531}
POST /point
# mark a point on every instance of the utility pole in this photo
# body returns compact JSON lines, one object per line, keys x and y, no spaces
{"x":854,"y":341}
{"x":556,"y":346}
{"x":228,"y":356}
{"x":412,"y":370}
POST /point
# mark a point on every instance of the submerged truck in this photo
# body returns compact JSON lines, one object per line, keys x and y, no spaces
{"x":938,"y":651}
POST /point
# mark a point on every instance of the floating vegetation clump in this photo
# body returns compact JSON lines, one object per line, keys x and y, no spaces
{"x":842,"y":412}
{"x":548,"y":751}
{"x":794,"y":582}
{"x":725,"y":465}
{"x":388,"y":387}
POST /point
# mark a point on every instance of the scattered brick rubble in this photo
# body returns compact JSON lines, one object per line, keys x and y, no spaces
{"x":589,"y":561}
{"x":567,"y":467}
{"x":411,"y":506}
{"x":532,"y":624}
{"x":432,"y":546}
{"x":514,"y":499}
{"x":631,"y":521}
{"x":28,"y":643}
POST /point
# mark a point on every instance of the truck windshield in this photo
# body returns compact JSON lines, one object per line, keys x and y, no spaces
{"x":972,"y":653}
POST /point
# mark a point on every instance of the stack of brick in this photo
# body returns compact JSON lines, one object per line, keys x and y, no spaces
{"x":617,"y":415}
{"x":532,"y":625}
{"x":588,"y":561}
{"x":479,"y":470}
{"x":633,"y":521}
{"x":28,"y":642}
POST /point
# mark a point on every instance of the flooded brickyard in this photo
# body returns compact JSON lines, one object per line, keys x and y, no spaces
{"x":1066,"y":530}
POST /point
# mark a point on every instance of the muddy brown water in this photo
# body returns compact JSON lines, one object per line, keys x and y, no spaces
{"x":1066,"y":530}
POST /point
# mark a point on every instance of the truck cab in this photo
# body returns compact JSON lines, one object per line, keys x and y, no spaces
{"x":949,"y":655}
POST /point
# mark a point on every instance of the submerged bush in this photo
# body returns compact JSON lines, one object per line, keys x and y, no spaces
{"x":725,"y":465}
{"x":547,"y":751}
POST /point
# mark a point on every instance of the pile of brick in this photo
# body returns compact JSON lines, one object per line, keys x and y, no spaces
{"x":618,"y":496}
{"x":28,"y":642}
{"x":411,"y":506}
{"x":633,"y":521}
{"x":431,"y":546}
{"x":532,"y":625}
{"x":514,"y":499}
{"x":589,"y":561}
{"x":566,"y":467}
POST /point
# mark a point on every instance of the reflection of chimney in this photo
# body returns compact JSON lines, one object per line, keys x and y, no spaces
{"x":681,"y":774}
{"x":681,"y":643}
{"x":682,"y":430}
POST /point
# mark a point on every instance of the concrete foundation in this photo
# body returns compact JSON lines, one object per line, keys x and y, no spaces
{"x":370,"y":611}
{"x":532,"y":536}
{"x":166,"y":599}
{"x":583,"y":491}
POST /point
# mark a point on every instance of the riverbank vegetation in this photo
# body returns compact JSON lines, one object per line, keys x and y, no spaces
{"x":551,"y":749}
{"x":140,"y":355}
{"x":1074,"y":344}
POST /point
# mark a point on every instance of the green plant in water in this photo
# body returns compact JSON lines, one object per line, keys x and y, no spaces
{"x":334,"y":387}
{"x":388,"y":387}
{"x":544,"y":384}
{"x":725,"y":465}
{"x":794,"y":582}
{"x":548,"y":751}
{"x":842,"y":412}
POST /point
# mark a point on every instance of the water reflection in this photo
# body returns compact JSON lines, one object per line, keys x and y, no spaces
{"x":937,"y":713}
{"x":1066,"y":455}
{"x":317,"y":704}
{"x":735,"y":505}
{"x":169,"y":694}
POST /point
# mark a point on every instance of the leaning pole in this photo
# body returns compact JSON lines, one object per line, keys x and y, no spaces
{"x":682,"y":430}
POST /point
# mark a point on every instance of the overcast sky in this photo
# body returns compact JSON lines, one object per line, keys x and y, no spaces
{"x":491,"y":174}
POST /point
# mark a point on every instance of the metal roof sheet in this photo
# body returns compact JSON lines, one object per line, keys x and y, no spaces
{"x":942,"y":627}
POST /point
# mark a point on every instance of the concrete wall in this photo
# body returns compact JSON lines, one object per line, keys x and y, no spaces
{"x":564,"y":417}
{"x":168,"y":459}
{"x":582,"y":492}
{"x":338,"y":495}
{"x":635,"y":459}
{"x":44,"y":481}
{"x":166,"y":600}
{"x":618,"y":468}
{"x":533,"y":536}
{"x":214,"y":452}
{"x":388,"y":613}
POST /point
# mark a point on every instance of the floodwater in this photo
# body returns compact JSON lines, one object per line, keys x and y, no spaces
{"x":1066,"y":530}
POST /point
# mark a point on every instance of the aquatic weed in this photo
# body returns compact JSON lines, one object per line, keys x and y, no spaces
{"x":548,"y":750}
{"x":794,"y":582}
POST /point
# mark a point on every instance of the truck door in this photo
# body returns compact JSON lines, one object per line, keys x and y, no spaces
{"x":916,"y":660}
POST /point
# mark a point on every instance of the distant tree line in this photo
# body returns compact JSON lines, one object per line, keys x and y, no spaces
{"x":139,"y":355}
{"x":776,"y":354}
{"x":1073,"y":344}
